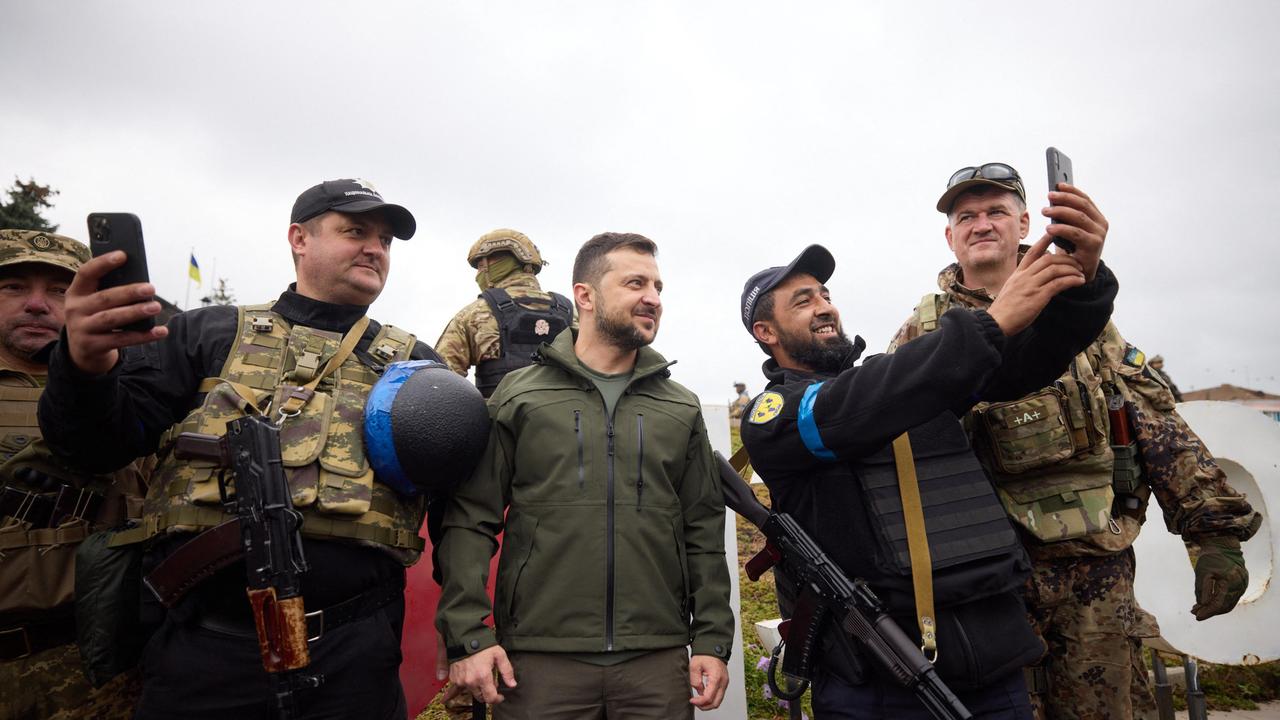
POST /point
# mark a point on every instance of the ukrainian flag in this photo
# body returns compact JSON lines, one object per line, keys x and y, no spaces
{"x":193,"y":271}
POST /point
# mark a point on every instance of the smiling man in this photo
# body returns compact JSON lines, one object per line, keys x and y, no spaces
{"x":613,"y":558}
{"x":309,"y":360}
{"x":1077,"y":461}
{"x":819,"y":436}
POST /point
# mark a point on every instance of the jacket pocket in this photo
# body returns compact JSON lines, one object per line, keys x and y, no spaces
{"x":577,"y":433}
{"x":682,"y":557}
{"x":517,"y":548}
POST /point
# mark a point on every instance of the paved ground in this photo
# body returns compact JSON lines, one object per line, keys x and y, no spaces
{"x":1270,"y":711}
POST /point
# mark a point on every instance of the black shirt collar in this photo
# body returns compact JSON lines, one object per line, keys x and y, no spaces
{"x":309,"y":312}
{"x":776,"y":374}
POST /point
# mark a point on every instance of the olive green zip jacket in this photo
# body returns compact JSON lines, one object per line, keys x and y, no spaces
{"x":614,"y":527}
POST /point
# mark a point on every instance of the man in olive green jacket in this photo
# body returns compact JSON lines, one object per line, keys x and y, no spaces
{"x":613,"y":558}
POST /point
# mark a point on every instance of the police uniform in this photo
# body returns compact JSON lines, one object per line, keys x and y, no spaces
{"x":820,"y":441}
{"x":46,"y":510}
{"x":1079,"y":500}
{"x":309,"y":366}
{"x":501,"y":329}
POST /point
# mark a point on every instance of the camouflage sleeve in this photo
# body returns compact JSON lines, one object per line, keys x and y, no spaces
{"x":1190,"y":487}
{"x":454,"y":344}
{"x":909,"y":331}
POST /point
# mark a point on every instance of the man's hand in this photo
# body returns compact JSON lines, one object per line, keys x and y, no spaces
{"x":475,"y":674}
{"x":708,"y":676}
{"x":1079,"y":221}
{"x":1040,"y":275}
{"x":93,"y":315}
{"x":1221,"y":577}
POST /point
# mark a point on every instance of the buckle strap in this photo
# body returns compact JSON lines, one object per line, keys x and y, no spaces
{"x":354,"y":608}
{"x":917,"y":545}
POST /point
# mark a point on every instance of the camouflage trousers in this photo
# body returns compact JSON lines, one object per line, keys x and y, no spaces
{"x":1085,"y":611}
{"x":50,"y":685}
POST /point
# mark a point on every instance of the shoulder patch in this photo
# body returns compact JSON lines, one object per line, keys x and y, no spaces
{"x":766,"y":408}
{"x":1133,"y":357}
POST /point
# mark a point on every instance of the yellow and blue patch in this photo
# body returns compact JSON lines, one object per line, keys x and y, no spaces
{"x":766,"y":408}
{"x":1133,"y":357}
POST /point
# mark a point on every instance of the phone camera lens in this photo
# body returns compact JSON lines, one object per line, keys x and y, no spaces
{"x":101,"y":229}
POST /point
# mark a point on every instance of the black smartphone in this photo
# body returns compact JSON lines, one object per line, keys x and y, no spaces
{"x":121,"y":231}
{"x":1059,"y":172}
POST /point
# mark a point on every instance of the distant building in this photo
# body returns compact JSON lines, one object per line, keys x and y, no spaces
{"x":1267,"y":404}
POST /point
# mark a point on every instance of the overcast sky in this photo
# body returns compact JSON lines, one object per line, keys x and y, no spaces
{"x":732,"y":133}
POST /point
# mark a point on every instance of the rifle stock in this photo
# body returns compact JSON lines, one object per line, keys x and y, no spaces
{"x":827,"y":592}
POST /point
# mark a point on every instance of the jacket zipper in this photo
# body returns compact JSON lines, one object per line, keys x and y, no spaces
{"x":640,"y":469}
{"x":577,"y":430}
{"x":609,"y":549}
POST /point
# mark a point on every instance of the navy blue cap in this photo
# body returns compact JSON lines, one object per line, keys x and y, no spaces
{"x":353,"y":196}
{"x":814,"y":260}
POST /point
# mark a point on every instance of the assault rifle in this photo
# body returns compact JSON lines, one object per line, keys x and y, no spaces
{"x":826,"y":593}
{"x":273,"y":558}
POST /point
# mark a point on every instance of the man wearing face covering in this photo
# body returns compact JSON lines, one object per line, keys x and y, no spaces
{"x":499,"y":331}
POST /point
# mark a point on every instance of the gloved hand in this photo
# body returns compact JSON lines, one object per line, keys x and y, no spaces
{"x":1221,"y":577}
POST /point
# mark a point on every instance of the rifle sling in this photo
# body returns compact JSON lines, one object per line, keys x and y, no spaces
{"x":917,"y":545}
{"x":740,"y":460}
{"x":194,"y":561}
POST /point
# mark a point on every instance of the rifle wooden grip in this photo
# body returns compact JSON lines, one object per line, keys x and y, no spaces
{"x":282,"y":630}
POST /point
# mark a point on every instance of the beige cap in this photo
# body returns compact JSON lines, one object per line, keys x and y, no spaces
{"x":40,"y":246}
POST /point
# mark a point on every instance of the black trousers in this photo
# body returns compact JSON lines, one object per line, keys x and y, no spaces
{"x":192,"y":672}
{"x":1004,"y":699}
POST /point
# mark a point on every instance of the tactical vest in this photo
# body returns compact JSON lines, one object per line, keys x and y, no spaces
{"x":43,"y":516}
{"x":321,"y":437}
{"x":19,"y":396}
{"x":1049,"y":452}
{"x":974,"y":550}
{"x":524,"y":323}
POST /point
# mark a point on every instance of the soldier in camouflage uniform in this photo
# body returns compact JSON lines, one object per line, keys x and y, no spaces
{"x":307,"y":361}
{"x":1075,"y":465}
{"x":499,"y":331}
{"x":46,"y":509}
{"x":1156,"y":365}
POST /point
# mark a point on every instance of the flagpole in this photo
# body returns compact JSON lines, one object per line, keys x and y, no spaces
{"x":186,"y":304}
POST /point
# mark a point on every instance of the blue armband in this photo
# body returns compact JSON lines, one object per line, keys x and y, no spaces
{"x":809,"y":427}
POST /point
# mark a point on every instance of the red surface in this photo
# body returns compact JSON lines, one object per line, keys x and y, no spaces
{"x":418,"y":671}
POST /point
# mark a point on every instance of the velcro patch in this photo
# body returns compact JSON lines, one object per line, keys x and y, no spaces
{"x":1133,"y":357}
{"x":766,"y":408}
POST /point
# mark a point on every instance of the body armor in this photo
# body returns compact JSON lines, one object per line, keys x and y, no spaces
{"x":46,"y":510}
{"x":321,"y":440}
{"x":524,"y":323}
{"x":1050,"y":452}
{"x":974,"y":551}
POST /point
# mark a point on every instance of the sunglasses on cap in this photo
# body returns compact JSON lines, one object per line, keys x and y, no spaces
{"x":990,"y":171}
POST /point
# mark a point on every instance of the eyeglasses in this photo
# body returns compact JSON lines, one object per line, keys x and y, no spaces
{"x":990,"y":171}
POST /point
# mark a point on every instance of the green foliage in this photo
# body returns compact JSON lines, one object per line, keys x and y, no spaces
{"x":1232,"y":687}
{"x":26,"y":201}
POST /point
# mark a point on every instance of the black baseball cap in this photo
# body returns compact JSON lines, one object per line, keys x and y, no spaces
{"x":353,"y":196}
{"x":814,"y":260}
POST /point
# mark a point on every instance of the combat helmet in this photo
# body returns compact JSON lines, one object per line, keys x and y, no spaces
{"x":513,"y":241}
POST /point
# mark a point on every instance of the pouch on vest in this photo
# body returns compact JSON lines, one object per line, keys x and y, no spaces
{"x":108,"y":582}
{"x":36,"y":565}
{"x":1029,"y":433}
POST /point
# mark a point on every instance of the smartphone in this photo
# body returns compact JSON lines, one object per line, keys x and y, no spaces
{"x":121,"y":231}
{"x":1059,"y":172}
